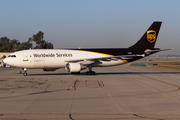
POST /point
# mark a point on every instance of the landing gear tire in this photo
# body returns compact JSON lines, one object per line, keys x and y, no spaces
{"x":75,"y":73}
{"x":25,"y":71}
{"x":25,"y":74}
{"x":90,"y":73}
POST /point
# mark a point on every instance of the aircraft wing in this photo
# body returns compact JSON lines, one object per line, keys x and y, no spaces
{"x":120,"y":57}
{"x":92,"y":60}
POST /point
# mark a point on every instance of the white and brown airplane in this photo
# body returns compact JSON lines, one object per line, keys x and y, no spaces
{"x":75,"y":60}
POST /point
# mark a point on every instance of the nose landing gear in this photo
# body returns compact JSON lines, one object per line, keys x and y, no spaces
{"x":25,"y":71}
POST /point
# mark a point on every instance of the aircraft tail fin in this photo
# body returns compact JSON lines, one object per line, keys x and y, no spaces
{"x":149,"y":38}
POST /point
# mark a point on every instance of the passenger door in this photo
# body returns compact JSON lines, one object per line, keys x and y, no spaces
{"x":25,"y":57}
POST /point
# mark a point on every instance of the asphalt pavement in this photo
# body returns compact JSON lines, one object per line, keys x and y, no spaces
{"x":121,"y":92}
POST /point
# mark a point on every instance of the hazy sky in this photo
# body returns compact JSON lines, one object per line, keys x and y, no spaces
{"x":91,"y":23}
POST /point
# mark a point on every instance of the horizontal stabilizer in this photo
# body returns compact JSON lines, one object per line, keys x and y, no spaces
{"x":148,"y":51}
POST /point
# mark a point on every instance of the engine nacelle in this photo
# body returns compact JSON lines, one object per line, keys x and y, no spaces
{"x":74,"y":67}
{"x":50,"y":69}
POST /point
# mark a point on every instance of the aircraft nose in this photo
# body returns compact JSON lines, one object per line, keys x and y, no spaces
{"x":6,"y":60}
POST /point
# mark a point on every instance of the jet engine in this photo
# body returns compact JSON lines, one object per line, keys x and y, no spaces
{"x":50,"y":69}
{"x":74,"y":67}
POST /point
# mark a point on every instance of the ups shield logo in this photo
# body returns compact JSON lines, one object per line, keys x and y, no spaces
{"x":151,"y":36}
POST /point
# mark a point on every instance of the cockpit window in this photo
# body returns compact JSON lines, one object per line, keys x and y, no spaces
{"x":12,"y":56}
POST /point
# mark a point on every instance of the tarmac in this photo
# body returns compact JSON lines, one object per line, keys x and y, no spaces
{"x":114,"y":93}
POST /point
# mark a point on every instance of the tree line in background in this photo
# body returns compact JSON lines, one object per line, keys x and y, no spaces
{"x":7,"y":45}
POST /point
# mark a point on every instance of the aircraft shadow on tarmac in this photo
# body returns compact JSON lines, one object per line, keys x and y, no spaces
{"x":119,"y":73}
{"x":106,"y":73}
{"x":34,"y":93}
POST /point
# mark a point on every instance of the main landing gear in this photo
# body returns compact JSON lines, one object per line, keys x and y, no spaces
{"x":25,"y":71}
{"x":75,"y":73}
{"x":90,"y":72}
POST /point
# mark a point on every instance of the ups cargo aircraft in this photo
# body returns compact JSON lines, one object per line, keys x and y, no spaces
{"x":75,"y":60}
